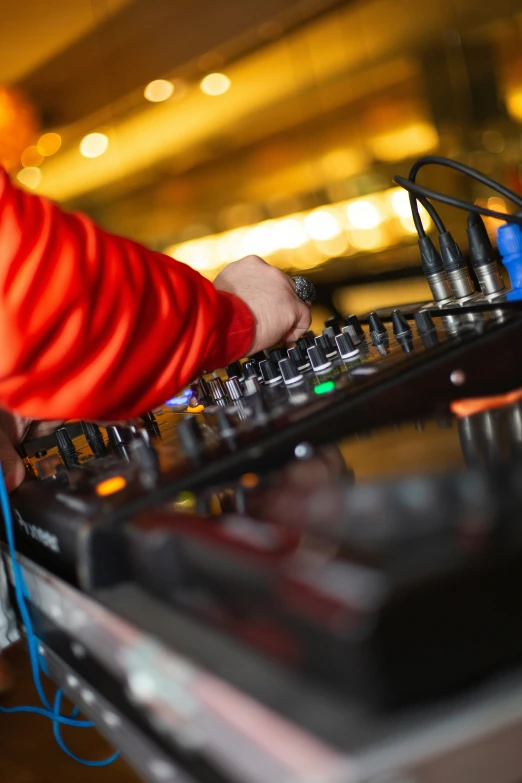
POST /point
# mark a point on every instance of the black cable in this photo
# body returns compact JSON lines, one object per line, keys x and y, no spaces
{"x":438,"y":160}
{"x":420,"y":191}
{"x":432,"y":212}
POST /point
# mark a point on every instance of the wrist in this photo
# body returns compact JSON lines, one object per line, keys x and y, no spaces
{"x":235,"y":331}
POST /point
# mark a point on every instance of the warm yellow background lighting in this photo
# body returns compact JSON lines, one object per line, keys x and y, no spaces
{"x":322,"y":224}
{"x":93,"y":145}
{"x":411,"y":140}
{"x":363,"y":214}
{"x":49,"y":144}
{"x":305,"y":240}
{"x":215,"y":84}
{"x":30,"y":177}
{"x":31,"y":157}
{"x":158,"y":90}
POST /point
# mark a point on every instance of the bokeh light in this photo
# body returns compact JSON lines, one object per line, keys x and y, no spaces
{"x":215,"y":84}
{"x":158,"y":90}
{"x":93,"y":145}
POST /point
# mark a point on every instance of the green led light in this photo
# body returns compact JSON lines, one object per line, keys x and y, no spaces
{"x":324,"y":388}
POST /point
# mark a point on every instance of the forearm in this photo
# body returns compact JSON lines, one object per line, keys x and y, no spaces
{"x":96,"y":326}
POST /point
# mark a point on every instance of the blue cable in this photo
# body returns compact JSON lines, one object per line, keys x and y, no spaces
{"x":37,"y":665}
{"x":63,"y":746}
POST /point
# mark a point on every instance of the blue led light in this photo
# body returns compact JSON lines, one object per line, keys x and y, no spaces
{"x":182,"y":398}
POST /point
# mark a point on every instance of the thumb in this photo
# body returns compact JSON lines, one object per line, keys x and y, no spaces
{"x":12,"y":465}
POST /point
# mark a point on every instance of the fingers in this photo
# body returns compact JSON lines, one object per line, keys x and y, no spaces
{"x":302,"y":324}
{"x":12,"y":465}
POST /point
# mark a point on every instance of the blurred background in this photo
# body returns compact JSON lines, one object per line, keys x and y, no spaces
{"x":211,"y":130}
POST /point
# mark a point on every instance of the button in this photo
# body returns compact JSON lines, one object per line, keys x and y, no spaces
{"x":323,"y":341}
{"x":234,"y":370}
{"x":402,"y":331}
{"x":276,"y":354}
{"x":66,"y":448}
{"x":346,"y":347}
{"x":233,"y":388}
{"x":424,"y":321}
{"x":94,"y":438}
{"x":249,"y":369}
{"x":378,"y":331}
{"x":191,"y":437}
{"x":352,"y":320}
{"x":333,"y":323}
{"x":300,"y":358}
{"x":290,"y":372}
{"x":320,"y":364}
{"x":270,"y":372}
{"x":217,"y":389}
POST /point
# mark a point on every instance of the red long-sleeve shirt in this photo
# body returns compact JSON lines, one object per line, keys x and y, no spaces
{"x":95,"y":326}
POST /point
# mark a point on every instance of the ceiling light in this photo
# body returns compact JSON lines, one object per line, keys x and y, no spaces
{"x":215,"y":84}
{"x":93,"y":145}
{"x":158,"y":90}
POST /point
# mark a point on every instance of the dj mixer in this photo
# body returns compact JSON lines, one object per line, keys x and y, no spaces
{"x":195,"y":502}
{"x":332,"y":529}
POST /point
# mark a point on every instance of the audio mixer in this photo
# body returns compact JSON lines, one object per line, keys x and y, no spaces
{"x":239,"y":502}
{"x":190,"y":502}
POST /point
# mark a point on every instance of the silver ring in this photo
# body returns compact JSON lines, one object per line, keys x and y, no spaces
{"x":304,"y":289}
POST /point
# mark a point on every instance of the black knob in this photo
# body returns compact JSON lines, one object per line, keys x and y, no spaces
{"x":217,"y":389}
{"x":400,"y":324}
{"x":306,"y":341}
{"x":333,"y":323}
{"x":276,"y":354}
{"x":320,"y":364}
{"x":270,"y":372}
{"x":151,"y":424}
{"x":426,"y":329}
{"x":260,"y":356}
{"x":94,"y":438}
{"x":66,"y":448}
{"x":225,"y":427}
{"x":145,"y":456}
{"x":234,"y":370}
{"x":346,"y":346}
{"x":249,"y":369}
{"x":290,"y":372}
{"x":352,"y":320}
{"x":378,"y":331}
{"x":300,"y":358}
{"x":323,"y":341}
{"x":424,"y":322}
{"x":330,"y":332}
{"x":118,"y":440}
{"x":191,"y":437}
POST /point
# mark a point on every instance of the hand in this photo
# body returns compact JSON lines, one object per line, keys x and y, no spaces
{"x":270,"y":294}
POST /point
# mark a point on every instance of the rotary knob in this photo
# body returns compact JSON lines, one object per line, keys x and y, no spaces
{"x":94,"y":438}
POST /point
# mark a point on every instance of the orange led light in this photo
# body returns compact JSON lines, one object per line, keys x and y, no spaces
{"x":249,"y":480}
{"x":110,"y":486}
{"x":195,"y":409}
